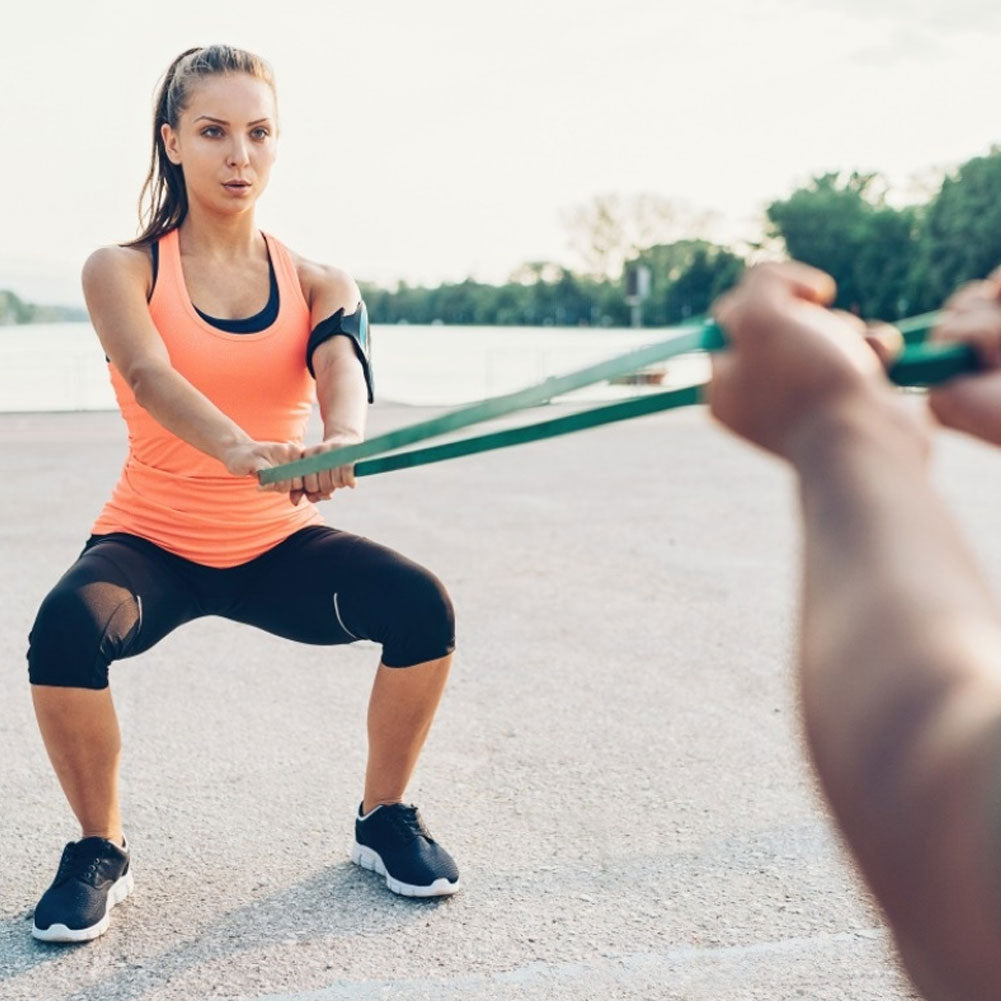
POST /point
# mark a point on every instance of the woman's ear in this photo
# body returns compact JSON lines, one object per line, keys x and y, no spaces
{"x":169,"y":137}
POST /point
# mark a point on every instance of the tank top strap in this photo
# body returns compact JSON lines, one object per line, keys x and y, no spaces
{"x":289,"y":289}
{"x":169,"y":276}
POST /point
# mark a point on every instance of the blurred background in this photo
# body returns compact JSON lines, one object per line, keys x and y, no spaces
{"x":536,"y":165}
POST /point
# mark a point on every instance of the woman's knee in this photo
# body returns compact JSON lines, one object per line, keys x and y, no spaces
{"x":422,"y":620}
{"x":78,"y":631}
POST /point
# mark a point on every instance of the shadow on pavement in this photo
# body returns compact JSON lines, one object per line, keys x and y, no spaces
{"x":340,"y":902}
{"x":19,"y":952}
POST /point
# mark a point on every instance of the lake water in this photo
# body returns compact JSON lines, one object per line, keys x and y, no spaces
{"x":60,"y":366}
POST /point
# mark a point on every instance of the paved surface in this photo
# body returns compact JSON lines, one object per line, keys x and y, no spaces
{"x":616,"y":766}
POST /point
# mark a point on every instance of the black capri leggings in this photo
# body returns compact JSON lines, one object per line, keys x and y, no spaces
{"x":320,"y":586}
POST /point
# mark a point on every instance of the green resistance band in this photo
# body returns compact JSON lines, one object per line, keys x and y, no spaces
{"x":919,"y":364}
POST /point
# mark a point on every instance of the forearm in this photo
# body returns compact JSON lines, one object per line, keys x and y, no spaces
{"x":343,"y":400}
{"x":900,"y":655}
{"x":885,"y":574}
{"x":885,"y":569}
{"x":184,"y":411}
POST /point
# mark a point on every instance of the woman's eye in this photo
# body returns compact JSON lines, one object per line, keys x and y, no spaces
{"x":211,"y":131}
{"x":260,"y":133}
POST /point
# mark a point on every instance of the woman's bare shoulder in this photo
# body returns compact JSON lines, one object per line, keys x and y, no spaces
{"x":324,"y":283}
{"x":120,"y":264}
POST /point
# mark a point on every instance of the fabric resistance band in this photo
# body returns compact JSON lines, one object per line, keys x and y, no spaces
{"x":919,"y":364}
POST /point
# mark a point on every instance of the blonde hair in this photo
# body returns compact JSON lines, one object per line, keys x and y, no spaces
{"x":163,"y":201}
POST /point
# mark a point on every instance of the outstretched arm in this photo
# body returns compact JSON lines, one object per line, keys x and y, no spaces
{"x":340,"y":380}
{"x":114,"y":285}
{"x":900,"y":652}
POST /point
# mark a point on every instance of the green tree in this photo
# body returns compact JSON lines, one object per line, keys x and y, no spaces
{"x":13,"y":310}
{"x":844,"y":226}
{"x":959,"y":237}
{"x":685,"y":277}
{"x":711,"y":272}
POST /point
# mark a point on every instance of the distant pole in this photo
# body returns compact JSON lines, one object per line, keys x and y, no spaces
{"x":637,"y":289}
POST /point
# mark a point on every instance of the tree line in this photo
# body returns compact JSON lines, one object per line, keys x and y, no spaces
{"x":14,"y":309}
{"x":685,"y":277}
{"x":888,"y":261}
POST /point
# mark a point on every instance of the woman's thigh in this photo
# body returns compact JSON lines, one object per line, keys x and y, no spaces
{"x":118,"y":599}
{"x":325,"y":586}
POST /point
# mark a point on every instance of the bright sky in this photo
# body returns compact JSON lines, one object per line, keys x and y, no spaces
{"x":446,"y":138}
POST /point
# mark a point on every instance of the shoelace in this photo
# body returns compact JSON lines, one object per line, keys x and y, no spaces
{"x":408,"y":822}
{"x":73,"y":865}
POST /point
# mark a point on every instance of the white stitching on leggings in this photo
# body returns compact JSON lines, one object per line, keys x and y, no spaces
{"x":337,"y":612}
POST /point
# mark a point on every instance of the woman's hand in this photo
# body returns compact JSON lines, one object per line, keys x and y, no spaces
{"x":247,"y":458}
{"x":973,"y":403}
{"x":321,"y":486}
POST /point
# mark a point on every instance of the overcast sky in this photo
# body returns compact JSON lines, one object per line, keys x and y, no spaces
{"x":447,"y":138}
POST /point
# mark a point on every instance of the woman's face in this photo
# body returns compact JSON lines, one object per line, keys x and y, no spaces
{"x":226,"y":141}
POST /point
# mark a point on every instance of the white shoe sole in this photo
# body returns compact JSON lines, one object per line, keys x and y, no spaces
{"x":60,"y":933}
{"x":367,"y":858}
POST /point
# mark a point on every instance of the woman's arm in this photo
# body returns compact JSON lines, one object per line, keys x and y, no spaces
{"x":115,"y":286}
{"x":340,"y":379}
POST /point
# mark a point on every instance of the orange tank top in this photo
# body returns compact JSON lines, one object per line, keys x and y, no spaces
{"x":180,"y":498}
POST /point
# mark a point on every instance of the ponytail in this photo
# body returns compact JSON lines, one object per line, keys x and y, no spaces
{"x":163,"y":201}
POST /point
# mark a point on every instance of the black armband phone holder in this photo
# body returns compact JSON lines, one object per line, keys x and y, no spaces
{"x":353,"y":325}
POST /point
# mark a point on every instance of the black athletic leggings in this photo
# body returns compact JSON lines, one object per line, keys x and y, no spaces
{"x":320,"y":585}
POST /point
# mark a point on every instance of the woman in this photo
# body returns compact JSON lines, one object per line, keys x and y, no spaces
{"x":214,"y":334}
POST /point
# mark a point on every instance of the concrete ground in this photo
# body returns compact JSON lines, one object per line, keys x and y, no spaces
{"x":616,"y":767}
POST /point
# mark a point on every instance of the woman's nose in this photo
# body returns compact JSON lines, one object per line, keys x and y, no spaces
{"x":238,"y":151}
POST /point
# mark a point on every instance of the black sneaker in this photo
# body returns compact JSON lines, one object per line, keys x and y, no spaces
{"x":393,"y":841}
{"x":93,"y":876}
